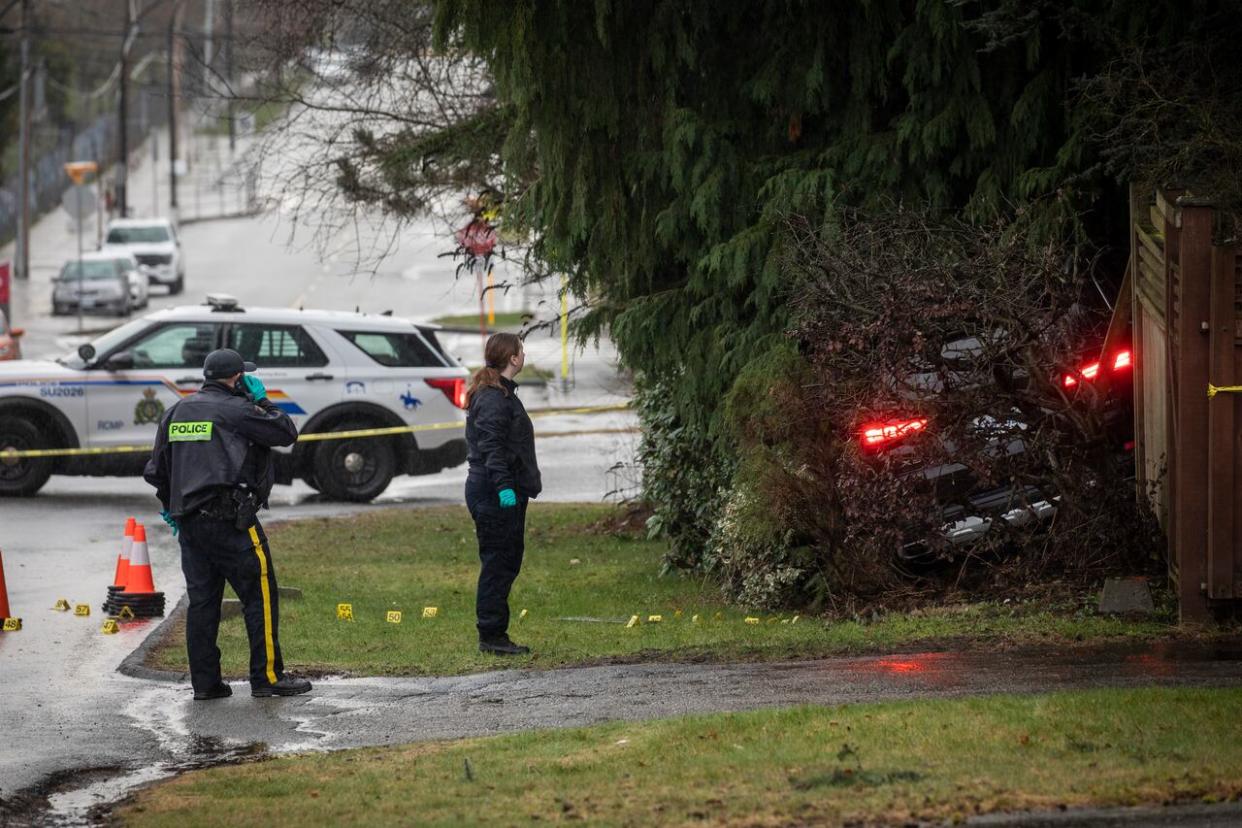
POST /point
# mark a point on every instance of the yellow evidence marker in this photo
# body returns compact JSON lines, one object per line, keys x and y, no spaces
{"x":62,"y":605}
{"x":394,"y":617}
{"x":110,"y":627}
{"x":655,"y":619}
{"x":633,"y":622}
{"x":344,"y":612}
{"x":750,"y":619}
{"x":521,"y":615}
{"x":82,"y":610}
{"x":430,"y":612}
{"x":126,"y":613}
{"x":11,"y":625}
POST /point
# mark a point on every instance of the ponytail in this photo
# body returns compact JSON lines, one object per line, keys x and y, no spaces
{"x":500,"y":348}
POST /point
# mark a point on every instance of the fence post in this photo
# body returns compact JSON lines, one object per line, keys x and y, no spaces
{"x":1194,"y":279}
{"x":1222,"y":417}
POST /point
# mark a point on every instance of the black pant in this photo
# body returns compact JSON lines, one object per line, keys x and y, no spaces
{"x":502,"y":543}
{"x":214,"y":551}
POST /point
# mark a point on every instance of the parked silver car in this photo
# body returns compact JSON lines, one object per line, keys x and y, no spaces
{"x":100,"y":283}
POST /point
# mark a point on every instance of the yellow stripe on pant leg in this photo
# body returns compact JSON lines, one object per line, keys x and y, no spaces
{"x":267,"y":605}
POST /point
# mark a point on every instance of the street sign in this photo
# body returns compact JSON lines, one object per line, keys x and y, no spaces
{"x":78,"y":170}
{"x":80,"y":202}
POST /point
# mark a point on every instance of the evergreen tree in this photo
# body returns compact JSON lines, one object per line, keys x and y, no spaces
{"x":654,"y":150}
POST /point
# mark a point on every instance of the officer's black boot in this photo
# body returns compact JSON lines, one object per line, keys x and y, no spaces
{"x":287,"y":686}
{"x":220,"y":691}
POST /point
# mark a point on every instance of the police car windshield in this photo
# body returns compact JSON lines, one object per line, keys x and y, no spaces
{"x":137,"y":235}
{"x":89,"y":270}
{"x":106,"y":343}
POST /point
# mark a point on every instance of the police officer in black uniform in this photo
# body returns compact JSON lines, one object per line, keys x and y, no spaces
{"x":212,"y":471}
{"x":503,"y":477}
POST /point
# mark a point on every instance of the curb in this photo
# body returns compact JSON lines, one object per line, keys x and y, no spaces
{"x":134,"y":664}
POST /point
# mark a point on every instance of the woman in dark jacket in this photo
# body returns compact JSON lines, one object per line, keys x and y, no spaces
{"x":503,"y":477}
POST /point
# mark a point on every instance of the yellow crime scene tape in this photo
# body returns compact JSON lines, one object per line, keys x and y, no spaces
{"x":1213,"y":390}
{"x":11,"y":454}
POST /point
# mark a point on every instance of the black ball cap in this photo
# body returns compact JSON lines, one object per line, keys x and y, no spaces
{"x":226,"y":363}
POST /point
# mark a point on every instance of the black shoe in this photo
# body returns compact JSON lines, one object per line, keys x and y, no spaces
{"x":220,"y":691}
{"x":287,"y":686}
{"x":502,"y":646}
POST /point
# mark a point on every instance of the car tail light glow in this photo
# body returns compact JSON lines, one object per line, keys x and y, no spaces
{"x":453,"y":387}
{"x":1121,"y":361}
{"x":877,"y":436}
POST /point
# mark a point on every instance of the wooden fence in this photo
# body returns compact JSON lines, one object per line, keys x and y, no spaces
{"x":1185,"y":297}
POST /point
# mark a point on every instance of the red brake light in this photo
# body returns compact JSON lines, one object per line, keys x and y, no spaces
{"x":881,"y":435}
{"x":1121,"y":361}
{"x":453,"y":387}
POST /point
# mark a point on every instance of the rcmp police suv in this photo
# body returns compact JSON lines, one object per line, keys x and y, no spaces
{"x":330,"y":371}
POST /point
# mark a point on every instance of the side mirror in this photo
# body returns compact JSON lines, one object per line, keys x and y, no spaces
{"x":86,"y":352}
{"x":120,"y":361}
{"x":17,"y":332}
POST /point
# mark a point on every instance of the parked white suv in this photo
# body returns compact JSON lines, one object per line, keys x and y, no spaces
{"x":154,"y":243}
{"x":330,"y":371}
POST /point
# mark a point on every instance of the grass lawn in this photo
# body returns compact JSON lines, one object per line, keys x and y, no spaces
{"x":407,"y":559}
{"x":874,"y":764}
{"x":509,"y":319}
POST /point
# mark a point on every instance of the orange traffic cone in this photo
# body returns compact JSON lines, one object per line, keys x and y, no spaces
{"x":139,"y":579}
{"x":122,"y":559}
{"x":139,"y":593}
{"x":7,"y":622}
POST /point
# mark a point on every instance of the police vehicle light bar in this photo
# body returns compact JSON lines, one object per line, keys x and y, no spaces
{"x":223,"y":303}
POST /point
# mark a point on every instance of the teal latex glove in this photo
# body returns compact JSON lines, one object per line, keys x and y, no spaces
{"x":171,"y":521}
{"x":254,"y":387}
{"x":508,"y":498}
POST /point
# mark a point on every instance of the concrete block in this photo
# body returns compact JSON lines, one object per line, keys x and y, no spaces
{"x":1126,"y":596}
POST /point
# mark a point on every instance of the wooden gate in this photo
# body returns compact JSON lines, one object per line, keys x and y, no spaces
{"x":1186,"y":299}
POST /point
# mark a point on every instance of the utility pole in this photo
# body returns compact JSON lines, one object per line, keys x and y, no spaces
{"x":209,"y":27}
{"x":23,"y":175}
{"x":228,"y":72}
{"x":174,"y":85}
{"x":122,"y":166}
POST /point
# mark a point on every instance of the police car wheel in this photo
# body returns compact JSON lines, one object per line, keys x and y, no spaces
{"x":20,"y":477}
{"x":356,"y":470}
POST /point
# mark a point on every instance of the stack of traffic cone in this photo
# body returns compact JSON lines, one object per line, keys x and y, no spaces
{"x":139,"y":593}
{"x":7,"y":621}
{"x":122,"y":562}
